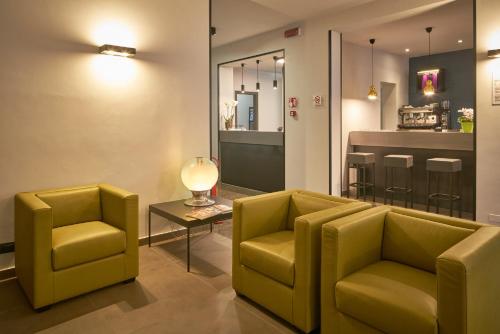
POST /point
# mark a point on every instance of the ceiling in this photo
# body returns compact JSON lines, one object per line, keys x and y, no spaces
{"x":451,"y":22}
{"x":266,"y":64}
{"x":239,"y":19}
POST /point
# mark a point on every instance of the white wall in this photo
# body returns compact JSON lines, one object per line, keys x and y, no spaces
{"x":226,"y":91}
{"x":306,"y":74}
{"x":488,"y":116}
{"x":270,"y":100}
{"x":359,"y":113}
{"x":70,"y":116}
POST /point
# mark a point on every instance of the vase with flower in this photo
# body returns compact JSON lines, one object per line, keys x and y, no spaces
{"x":228,"y":115}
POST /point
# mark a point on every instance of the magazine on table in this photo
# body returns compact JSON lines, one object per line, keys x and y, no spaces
{"x":209,"y":211}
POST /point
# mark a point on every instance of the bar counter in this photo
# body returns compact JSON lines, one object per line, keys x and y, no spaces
{"x":423,"y":145}
{"x":253,"y":159}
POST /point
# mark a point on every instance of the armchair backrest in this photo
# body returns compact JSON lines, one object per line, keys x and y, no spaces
{"x":418,"y":242}
{"x":305,"y":202}
{"x":73,"y":206}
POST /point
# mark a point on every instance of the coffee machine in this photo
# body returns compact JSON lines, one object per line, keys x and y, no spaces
{"x":429,"y":117}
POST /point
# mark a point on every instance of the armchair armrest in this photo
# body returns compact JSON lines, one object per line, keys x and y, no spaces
{"x":260,"y":215}
{"x":348,"y":244}
{"x":308,"y":259}
{"x":120,"y":208}
{"x":256,"y":216}
{"x":468,"y":292}
{"x":33,"y":240}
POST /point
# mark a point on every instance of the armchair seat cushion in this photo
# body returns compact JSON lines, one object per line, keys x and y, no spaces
{"x":84,"y":242}
{"x":272,"y":255}
{"x":391,"y":297}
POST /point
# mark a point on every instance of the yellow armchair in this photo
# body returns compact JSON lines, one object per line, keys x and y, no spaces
{"x":74,"y":240}
{"x":394,"y":270}
{"x":276,"y":250}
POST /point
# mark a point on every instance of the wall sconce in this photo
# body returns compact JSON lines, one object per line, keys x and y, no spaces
{"x":494,"y":53}
{"x":115,"y":50}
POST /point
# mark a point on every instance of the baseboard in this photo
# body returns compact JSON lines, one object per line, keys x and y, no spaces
{"x":241,"y":190}
{"x":165,"y":236}
{"x":7,"y":273}
{"x":7,"y":247}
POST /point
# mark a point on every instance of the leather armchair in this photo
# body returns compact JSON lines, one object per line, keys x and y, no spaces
{"x":394,"y":270}
{"x":74,"y":240}
{"x":276,"y":250}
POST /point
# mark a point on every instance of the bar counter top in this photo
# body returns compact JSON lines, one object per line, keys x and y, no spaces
{"x":252,"y":137}
{"x":421,"y":139}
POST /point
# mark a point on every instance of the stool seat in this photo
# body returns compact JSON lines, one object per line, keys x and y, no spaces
{"x":398,"y":161}
{"x":361,"y":158}
{"x":444,"y":165}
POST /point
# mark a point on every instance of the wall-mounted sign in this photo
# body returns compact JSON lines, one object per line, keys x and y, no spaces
{"x":496,"y":91}
{"x":293,"y":113}
{"x":317,"y":100}
{"x":293,"y":102}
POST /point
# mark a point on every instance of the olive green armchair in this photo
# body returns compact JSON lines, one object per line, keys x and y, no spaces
{"x":74,"y":240}
{"x":394,"y":270}
{"x":277,"y":249}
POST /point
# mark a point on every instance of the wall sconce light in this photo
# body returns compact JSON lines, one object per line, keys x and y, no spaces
{"x":213,"y":31}
{"x":494,"y":53}
{"x":115,"y":50}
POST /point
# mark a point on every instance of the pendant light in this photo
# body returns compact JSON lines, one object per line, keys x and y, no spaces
{"x":257,"y":85}
{"x":242,"y":84}
{"x":372,"y":92}
{"x":275,"y":81}
{"x":429,"y":87}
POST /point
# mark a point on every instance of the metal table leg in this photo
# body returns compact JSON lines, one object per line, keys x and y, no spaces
{"x":149,"y":228}
{"x":188,"y":251}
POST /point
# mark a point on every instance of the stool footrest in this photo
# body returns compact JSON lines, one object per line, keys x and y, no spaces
{"x":445,"y":197}
{"x":398,"y":190}
{"x":360,"y":185}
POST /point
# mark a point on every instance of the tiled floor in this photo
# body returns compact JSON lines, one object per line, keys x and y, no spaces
{"x":163,"y":299}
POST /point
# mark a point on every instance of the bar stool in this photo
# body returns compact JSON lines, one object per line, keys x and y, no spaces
{"x":397,"y":162}
{"x":361,"y":161}
{"x":451,"y":168}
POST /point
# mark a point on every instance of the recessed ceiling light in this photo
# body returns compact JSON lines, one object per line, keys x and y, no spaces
{"x":407,"y":50}
{"x":460,"y":41}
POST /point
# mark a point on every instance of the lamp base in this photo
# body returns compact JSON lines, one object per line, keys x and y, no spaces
{"x":199,"y":198}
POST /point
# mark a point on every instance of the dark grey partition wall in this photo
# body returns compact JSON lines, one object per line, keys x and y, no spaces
{"x":253,"y":159}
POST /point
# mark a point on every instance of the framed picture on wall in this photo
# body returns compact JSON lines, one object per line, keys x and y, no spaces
{"x":433,"y":76}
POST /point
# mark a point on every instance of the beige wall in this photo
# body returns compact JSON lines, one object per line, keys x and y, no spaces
{"x":306,"y":74}
{"x":70,"y":116}
{"x":359,"y":113}
{"x":488,"y":116}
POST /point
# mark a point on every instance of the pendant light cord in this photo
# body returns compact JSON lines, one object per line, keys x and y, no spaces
{"x":372,"y":64}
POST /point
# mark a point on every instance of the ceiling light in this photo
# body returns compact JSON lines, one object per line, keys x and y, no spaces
{"x":115,"y":50}
{"x":429,"y":89}
{"x":460,"y":41}
{"x":242,"y":72}
{"x":275,"y":81}
{"x":407,"y":50}
{"x":257,"y":85}
{"x":372,"y":92}
{"x":494,"y":53}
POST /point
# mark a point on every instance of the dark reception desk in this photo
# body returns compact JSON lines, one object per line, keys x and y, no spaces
{"x":253,"y":159}
{"x":422,"y":145}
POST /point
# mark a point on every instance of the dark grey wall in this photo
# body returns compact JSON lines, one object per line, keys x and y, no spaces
{"x":459,"y":80}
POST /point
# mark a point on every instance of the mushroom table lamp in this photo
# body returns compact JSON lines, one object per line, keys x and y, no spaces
{"x":199,"y":175}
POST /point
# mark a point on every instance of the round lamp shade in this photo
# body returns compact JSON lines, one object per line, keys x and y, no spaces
{"x":199,"y":174}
